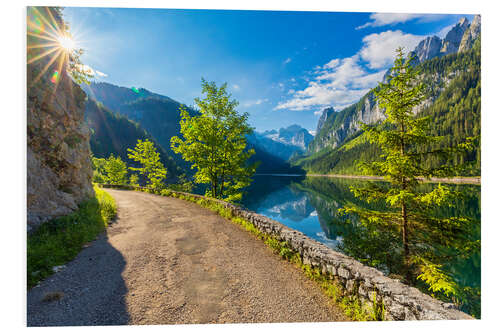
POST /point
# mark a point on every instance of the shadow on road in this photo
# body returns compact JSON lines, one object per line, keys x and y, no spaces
{"x":92,"y":287}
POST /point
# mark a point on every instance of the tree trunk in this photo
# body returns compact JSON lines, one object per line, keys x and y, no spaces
{"x":405,"y":242}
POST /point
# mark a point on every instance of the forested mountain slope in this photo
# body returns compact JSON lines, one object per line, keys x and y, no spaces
{"x":112,"y":133}
{"x":158,"y":115}
{"x":453,"y":90}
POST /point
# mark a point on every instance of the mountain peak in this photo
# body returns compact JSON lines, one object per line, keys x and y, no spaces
{"x":451,"y":42}
{"x":326,"y":113}
{"x":434,"y":46}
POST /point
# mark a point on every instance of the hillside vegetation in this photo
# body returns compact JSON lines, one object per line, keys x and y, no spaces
{"x":113,"y":133}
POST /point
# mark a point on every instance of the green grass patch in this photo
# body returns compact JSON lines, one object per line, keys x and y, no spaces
{"x":58,"y":241}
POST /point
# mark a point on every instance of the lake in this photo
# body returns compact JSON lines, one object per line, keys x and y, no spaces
{"x":310,"y":205}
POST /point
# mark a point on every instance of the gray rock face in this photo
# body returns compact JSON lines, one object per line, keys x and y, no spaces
{"x":451,"y":42}
{"x":326,"y":113}
{"x":59,"y":169}
{"x":471,"y":34}
{"x":428,"y":48}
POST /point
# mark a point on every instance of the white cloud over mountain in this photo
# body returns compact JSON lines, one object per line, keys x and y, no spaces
{"x":378,"y":49}
{"x":382,"y":19}
{"x":343,"y":81}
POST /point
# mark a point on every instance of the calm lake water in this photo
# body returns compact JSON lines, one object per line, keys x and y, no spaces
{"x":310,"y":205}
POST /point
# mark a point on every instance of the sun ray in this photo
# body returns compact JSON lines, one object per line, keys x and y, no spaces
{"x":59,"y":31}
{"x":37,"y":46}
{"x":44,"y":69}
{"x":41,"y":36}
{"x":55,"y":30}
{"x":62,"y":60}
{"x":52,"y":50}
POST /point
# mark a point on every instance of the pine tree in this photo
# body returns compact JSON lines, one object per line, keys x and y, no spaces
{"x":401,"y":137}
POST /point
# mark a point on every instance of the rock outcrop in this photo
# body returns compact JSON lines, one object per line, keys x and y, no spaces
{"x":428,"y":48}
{"x":324,"y":115}
{"x":453,"y":38}
{"x":59,"y":168}
{"x":471,"y":34}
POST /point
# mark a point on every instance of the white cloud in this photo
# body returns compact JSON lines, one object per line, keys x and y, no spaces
{"x":90,"y":71}
{"x":343,"y":81}
{"x":235,"y":87}
{"x":442,"y":33}
{"x":101,"y":73}
{"x":250,"y":103}
{"x":287,"y":60}
{"x":379,"y":49}
{"x":381,"y":19}
{"x":340,"y":82}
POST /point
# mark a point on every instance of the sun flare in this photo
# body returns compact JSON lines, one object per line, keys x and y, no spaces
{"x":49,"y":38}
{"x":67,"y":43}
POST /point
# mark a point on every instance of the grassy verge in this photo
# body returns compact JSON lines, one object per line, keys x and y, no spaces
{"x":350,"y":304}
{"x":58,"y":241}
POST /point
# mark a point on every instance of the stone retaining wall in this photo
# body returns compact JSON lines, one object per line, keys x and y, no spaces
{"x":401,"y":302}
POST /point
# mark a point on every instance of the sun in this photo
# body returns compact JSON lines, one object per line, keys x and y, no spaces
{"x":67,"y":43}
{"x":49,"y":38}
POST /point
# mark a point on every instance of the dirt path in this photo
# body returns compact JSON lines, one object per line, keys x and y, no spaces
{"x":168,"y":261}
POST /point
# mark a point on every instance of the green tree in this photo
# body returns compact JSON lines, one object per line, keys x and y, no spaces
{"x":99,"y":173}
{"x":134,"y":179}
{"x":151,"y":167}
{"x":116,"y":170}
{"x":214,"y":141}
{"x":400,"y":137}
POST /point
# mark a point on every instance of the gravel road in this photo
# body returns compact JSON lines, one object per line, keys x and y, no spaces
{"x":168,"y":261}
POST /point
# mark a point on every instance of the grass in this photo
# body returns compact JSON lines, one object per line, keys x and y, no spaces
{"x":58,"y":241}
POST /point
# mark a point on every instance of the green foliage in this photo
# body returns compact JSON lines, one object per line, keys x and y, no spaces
{"x":182,"y":185}
{"x":116,"y":170}
{"x":113,"y":133}
{"x":99,"y":172}
{"x":134,"y":180}
{"x":58,"y":241}
{"x":151,"y":167}
{"x":214,"y":141}
{"x":110,"y":171}
{"x":401,"y":138}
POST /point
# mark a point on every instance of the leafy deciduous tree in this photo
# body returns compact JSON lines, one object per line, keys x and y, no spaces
{"x":116,"y":170}
{"x":145,"y":153}
{"x":214,"y":141}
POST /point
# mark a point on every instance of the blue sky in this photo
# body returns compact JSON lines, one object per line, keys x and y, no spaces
{"x":283,"y":67}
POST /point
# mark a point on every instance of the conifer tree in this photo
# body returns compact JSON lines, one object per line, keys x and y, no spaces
{"x":401,"y":137}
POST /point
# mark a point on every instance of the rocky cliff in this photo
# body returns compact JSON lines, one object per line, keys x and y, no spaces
{"x":58,"y":153}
